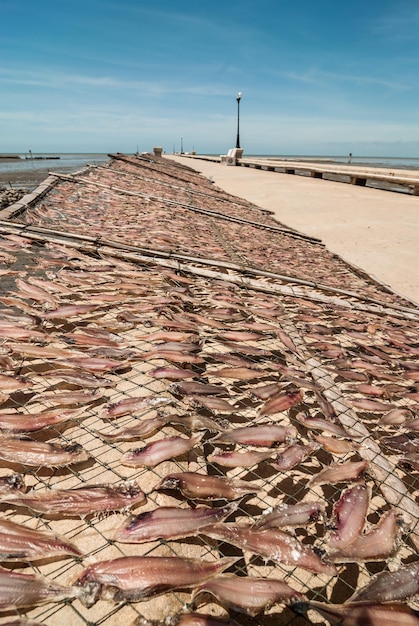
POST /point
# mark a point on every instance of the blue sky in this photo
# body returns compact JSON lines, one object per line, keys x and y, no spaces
{"x":318,"y":77}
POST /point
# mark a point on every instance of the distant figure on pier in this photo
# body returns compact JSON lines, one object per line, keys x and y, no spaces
{"x":350,"y":157}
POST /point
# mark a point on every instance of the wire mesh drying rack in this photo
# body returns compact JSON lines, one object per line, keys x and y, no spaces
{"x":322,"y":344}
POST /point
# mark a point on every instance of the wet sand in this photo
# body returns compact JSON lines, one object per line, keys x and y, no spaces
{"x":375,"y":230}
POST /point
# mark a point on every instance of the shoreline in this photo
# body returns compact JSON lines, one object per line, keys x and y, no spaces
{"x":372,"y":229}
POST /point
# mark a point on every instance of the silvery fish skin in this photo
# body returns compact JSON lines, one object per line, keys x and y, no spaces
{"x":159,"y":451}
{"x":362,"y":614}
{"x":377,"y":545}
{"x":24,"y":590}
{"x":37,"y":454}
{"x":299,"y":514}
{"x":170,"y":523}
{"x":272,"y":544}
{"x":246,"y":594}
{"x":20,"y":543}
{"x":396,"y":586}
{"x":136,"y":578}
{"x":80,"y":501}
{"x":203,"y":487}
{"x":31,"y":422}
{"x":267,"y":435}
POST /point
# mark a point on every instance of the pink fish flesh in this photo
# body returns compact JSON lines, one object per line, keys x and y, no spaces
{"x":136,"y":578}
{"x":266,"y":435}
{"x":21,"y":543}
{"x":170,"y":523}
{"x":246,"y":594}
{"x":291,"y":515}
{"x":272,"y":544}
{"x":202,"y":487}
{"x":24,"y":590}
{"x":80,"y":501}
{"x":159,"y":451}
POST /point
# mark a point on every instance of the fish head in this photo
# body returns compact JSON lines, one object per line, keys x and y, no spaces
{"x":169,"y":482}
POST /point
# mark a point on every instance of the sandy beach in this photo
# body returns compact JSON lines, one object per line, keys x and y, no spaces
{"x":375,"y":230}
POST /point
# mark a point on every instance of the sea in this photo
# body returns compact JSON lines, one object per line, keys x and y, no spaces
{"x":32,"y":168}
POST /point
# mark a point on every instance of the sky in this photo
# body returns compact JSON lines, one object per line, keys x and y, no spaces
{"x":320,"y":77}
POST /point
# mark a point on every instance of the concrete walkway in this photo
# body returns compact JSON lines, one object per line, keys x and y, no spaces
{"x":373,"y":229}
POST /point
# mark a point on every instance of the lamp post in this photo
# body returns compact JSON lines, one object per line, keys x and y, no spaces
{"x":239,"y":96}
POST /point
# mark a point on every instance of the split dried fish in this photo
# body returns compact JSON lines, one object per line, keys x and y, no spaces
{"x":21,"y":543}
{"x":143,"y":429}
{"x":170,"y":523}
{"x":24,"y":590}
{"x":340,"y":473}
{"x":349,"y":516}
{"x":203,"y":487}
{"x":136,"y":578}
{"x":239,"y":459}
{"x":159,"y":451}
{"x":31,"y":422}
{"x":246,"y":594}
{"x":272,"y":544}
{"x":40,"y":454}
{"x":362,"y":614}
{"x":185,"y":619}
{"x":395,"y":586}
{"x":92,"y":499}
{"x":377,"y":545}
{"x":281,"y":403}
{"x":132,"y":405}
{"x":266,"y":435}
{"x":282,"y":515}
{"x":191,"y":388}
{"x":293,"y":455}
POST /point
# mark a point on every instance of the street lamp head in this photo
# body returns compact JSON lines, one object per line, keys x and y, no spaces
{"x":239,"y":95}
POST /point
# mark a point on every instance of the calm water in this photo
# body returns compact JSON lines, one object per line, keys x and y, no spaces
{"x":67,"y":162}
{"x":387,"y":162}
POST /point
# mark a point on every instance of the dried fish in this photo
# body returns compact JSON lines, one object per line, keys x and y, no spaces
{"x":81,"y":379}
{"x":191,"y":388}
{"x":238,"y":373}
{"x":21,"y":543}
{"x":70,"y":310}
{"x":24,"y":590}
{"x":266,"y":391}
{"x":31,"y":422}
{"x":9,"y":384}
{"x":336,"y":446}
{"x":280,"y":403}
{"x":373,"y":406}
{"x":185,"y":619}
{"x":170,"y":523}
{"x":395,"y":586}
{"x":172,"y":373}
{"x":349,"y":515}
{"x":293,"y":455}
{"x":377,"y":545}
{"x":272,"y":544}
{"x":40,"y":454}
{"x":317,"y":423}
{"x":246,"y":594}
{"x":143,"y":429}
{"x":239,"y":459}
{"x":299,"y":514}
{"x":395,"y":416}
{"x":340,"y":473}
{"x":362,"y":614}
{"x":202,"y":487}
{"x":237,"y":335}
{"x":132,"y":405}
{"x":266,"y":435}
{"x":212,"y":403}
{"x":34,"y":292}
{"x":136,"y":578}
{"x":91,"y":499}
{"x":159,"y":451}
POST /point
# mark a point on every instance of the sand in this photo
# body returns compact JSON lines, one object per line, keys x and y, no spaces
{"x":375,"y":230}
